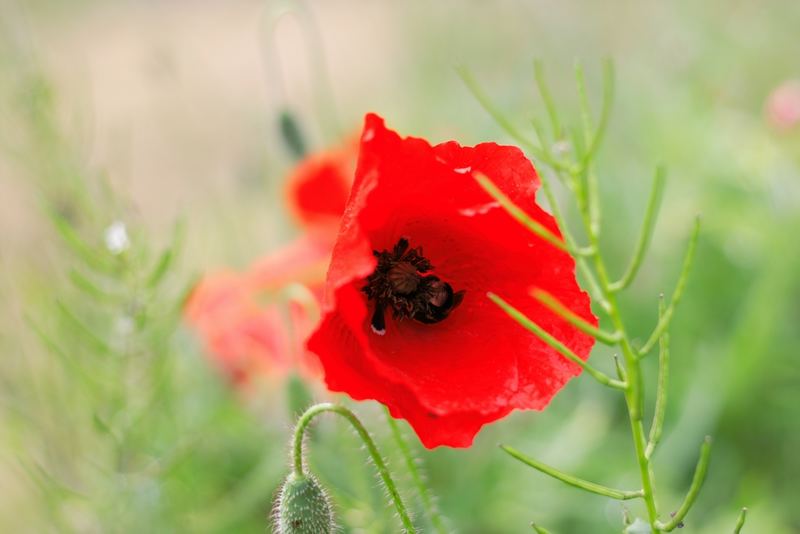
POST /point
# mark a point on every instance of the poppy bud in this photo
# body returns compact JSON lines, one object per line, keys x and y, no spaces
{"x":303,"y":507}
{"x":292,"y":135}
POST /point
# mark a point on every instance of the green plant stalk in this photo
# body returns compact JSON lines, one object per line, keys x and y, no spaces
{"x":554,"y":343}
{"x":622,"y":495}
{"x":372,"y":449}
{"x":697,"y":483}
{"x":580,"y":178}
{"x":740,"y":521}
{"x":657,"y":426}
{"x":574,"y":319}
{"x":422,"y":488}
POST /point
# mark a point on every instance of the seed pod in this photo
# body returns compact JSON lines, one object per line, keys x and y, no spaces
{"x":303,"y":507}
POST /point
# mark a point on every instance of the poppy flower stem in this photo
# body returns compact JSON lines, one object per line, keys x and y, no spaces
{"x":411,"y":462}
{"x":372,"y":449}
{"x":551,"y":341}
{"x":599,"y":489}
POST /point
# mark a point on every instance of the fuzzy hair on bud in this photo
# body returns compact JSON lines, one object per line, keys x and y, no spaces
{"x":303,"y":507}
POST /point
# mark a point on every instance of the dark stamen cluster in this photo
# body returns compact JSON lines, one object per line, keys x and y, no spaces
{"x":399,"y":284}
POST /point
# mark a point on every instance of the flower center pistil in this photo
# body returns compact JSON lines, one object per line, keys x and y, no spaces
{"x":400,"y":284}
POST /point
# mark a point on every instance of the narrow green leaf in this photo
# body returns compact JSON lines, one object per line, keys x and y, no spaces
{"x":554,"y":343}
{"x":740,"y":521}
{"x":547,"y":98}
{"x":98,"y":262}
{"x":697,"y":483}
{"x":575,"y":320}
{"x":518,"y":213}
{"x":168,"y":256}
{"x":572,"y":480}
{"x":663,"y":323}
{"x":646,"y":234}
{"x":91,"y":288}
{"x":93,"y":340}
{"x":656,"y":427}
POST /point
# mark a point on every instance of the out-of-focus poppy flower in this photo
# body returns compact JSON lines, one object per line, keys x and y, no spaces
{"x":256,"y":323}
{"x":783,"y":105}
{"x":319,"y":185}
{"x":406,"y":320}
{"x":240,"y":317}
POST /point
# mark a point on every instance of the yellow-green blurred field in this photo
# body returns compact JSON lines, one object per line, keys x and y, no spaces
{"x":163,"y":115}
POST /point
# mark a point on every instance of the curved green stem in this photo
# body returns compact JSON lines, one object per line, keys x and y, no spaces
{"x":422,"y":488}
{"x":592,"y":487}
{"x":646,"y":233}
{"x":740,"y":521}
{"x":372,"y":449}
{"x":661,"y":393}
{"x":697,"y":483}
{"x":664,"y":321}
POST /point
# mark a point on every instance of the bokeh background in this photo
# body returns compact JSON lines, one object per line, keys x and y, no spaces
{"x":114,"y":419}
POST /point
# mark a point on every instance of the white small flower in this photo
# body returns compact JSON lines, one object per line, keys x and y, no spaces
{"x":116,"y":238}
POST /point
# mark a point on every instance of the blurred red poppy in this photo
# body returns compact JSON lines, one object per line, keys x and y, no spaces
{"x":406,"y":320}
{"x":256,"y":323}
{"x":783,"y":106}
{"x":319,"y":185}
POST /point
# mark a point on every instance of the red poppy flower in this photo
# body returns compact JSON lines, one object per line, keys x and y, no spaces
{"x":319,"y":185}
{"x":238,"y":315}
{"x":240,"y":319}
{"x":406,"y":320}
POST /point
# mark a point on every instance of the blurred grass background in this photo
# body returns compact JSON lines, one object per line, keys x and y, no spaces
{"x":149,"y":113}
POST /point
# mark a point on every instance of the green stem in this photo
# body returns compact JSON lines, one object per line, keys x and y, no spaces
{"x":634,"y":390}
{"x":609,"y":338}
{"x":646,"y":234}
{"x":697,"y":483}
{"x":661,"y":393}
{"x":740,"y":521}
{"x":664,"y":321}
{"x":422,"y":488}
{"x":372,"y":449}
{"x":552,"y":342}
{"x":518,"y":213}
{"x":547,"y":98}
{"x":599,"y":489}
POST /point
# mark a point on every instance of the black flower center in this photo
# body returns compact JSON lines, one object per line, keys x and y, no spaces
{"x":399,"y":284}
